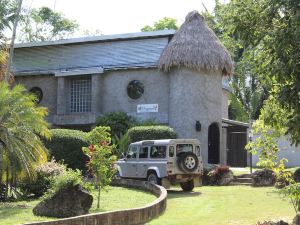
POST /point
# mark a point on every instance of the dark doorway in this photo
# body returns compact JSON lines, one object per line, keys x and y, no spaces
{"x":213,"y":144}
{"x":236,"y":141}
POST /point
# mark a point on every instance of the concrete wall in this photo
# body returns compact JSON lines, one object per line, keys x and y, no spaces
{"x":195,"y":96}
{"x":291,"y":153}
{"x":114,"y":96}
{"x":225,"y":99}
{"x":48,"y":85}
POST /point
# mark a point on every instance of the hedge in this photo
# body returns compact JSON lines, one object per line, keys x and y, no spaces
{"x":140,"y":133}
{"x":66,"y":145}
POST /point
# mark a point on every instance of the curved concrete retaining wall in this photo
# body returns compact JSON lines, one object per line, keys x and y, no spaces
{"x":121,"y":217}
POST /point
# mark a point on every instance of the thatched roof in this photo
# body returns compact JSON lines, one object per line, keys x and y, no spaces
{"x":196,"y":46}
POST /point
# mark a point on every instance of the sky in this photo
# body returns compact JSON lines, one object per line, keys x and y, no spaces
{"x":121,"y":16}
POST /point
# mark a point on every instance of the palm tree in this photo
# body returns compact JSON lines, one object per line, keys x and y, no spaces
{"x":21,"y":125}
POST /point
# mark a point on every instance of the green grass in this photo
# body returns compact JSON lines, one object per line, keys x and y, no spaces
{"x":231,"y":205}
{"x":116,"y":198}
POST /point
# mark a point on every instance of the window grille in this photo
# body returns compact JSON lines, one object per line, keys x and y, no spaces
{"x":81,"y":95}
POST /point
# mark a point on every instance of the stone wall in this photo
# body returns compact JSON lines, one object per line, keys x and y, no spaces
{"x":121,"y":217}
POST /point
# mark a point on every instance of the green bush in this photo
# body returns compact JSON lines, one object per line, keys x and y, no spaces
{"x":65,"y":180}
{"x":66,"y":145}
{"x":150,"y":133}
{"x":42,"y":181}
{"x":119,"y":122}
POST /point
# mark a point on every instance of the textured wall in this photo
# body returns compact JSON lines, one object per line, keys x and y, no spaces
{"x":48,"y":84}
{"x":195,"y":96}
{"x":225,"y":98}
{"x":291,"y":153}
{"x":114,"y":96}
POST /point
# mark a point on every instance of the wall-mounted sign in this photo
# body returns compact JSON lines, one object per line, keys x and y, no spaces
{"x":146,"y":108}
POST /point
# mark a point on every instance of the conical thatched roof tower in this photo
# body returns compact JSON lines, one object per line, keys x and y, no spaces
{"x":197,"y":47}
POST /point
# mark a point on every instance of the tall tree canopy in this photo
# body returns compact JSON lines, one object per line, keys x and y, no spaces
{"x":247,"y":91}
{"x":43,"y":24}
{"x":272,"y":28}
{"x":165,"y":23}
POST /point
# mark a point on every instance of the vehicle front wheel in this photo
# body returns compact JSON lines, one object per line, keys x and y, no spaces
{"x":187,"y":186}
{"x":153,"y":178}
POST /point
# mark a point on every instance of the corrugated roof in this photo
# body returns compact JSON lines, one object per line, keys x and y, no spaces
{"x":108,"y":52}
{"x":114,"y":37}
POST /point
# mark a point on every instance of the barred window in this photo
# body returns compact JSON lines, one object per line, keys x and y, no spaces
{"x":81,"y":95}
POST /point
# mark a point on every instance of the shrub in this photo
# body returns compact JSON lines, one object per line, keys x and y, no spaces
{"x":44,"y":175}
{"x":297,"y":175}
{"x":220,"y":175}
{"x":66,"y":145}
{"x":67,"y":179}
{"x":150,"y":133}
{"x":119,"y":122}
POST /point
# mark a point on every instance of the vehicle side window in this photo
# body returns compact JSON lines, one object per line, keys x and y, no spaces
{"x":158,"y":152}
{"x":171,"y":151}
{"x":143,"y":153}
{"x":184,"y":148}
{"x":132,"y":152}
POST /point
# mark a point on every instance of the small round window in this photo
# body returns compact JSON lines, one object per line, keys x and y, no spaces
{"x":135,"y":89}
{"x":38,"y":93}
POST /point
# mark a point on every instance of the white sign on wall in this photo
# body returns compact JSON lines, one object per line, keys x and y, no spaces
{"x":146,"y":108}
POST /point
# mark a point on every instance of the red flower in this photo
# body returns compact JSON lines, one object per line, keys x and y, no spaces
{"x":91,"y":148}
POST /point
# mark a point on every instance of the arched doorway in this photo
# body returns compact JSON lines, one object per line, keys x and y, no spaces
{"x":213,"y":144}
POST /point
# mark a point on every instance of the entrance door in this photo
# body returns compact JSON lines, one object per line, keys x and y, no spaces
{"x":236,"y":141}
{"x":213,"y":144}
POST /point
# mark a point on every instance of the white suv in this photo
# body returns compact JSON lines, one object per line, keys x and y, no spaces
{"x":164,"y":162}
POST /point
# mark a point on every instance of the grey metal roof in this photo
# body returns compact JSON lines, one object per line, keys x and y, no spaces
{"x":113,"y":37}
{"x":106,"y":52}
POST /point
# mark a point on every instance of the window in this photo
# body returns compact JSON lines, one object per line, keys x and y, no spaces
{"x":81,"y":95}
{"x":198,"y":151}
{"x":184,"y":148}
{"x":135,"y":89}
{"x":171,"y":151}
{"x":158,"y":152}
{"x":143,"y":153}
{"x":38,"y":93}
{"x":132,"y":152}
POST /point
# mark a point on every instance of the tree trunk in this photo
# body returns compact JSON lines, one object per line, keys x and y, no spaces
{"x":7,"y":183}
{"x":98,"y":203}
{"x":11,"y":48}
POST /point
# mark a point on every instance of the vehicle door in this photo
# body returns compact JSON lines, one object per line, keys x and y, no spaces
{"x":130,"y":166}
{"x":143,"y":163}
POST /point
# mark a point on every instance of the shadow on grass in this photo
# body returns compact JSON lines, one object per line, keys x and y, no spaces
{"x":182,"y":194}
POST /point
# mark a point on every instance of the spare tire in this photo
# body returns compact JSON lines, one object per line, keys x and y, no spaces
{"x":187,"y":162}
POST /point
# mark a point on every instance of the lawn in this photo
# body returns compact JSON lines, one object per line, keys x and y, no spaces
{"x":209,"y":205}
{"x":116,"y":198}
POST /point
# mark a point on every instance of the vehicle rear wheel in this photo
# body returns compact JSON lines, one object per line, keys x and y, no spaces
{"x":187,"y":186}
{"x":153,"y":178}
{"x":188,"y":162}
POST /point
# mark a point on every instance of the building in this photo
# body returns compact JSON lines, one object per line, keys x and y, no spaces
{"x":177,"y":78}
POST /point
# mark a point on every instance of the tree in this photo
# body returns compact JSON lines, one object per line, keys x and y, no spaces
{"x":101,"y":158}
{"x":43,"y":24}
{"x":272,"y":27}
{"x":165,"y":23}
{"x":7,"y":15}
{"x":248,"y":93}
{"x":21,"y":125}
